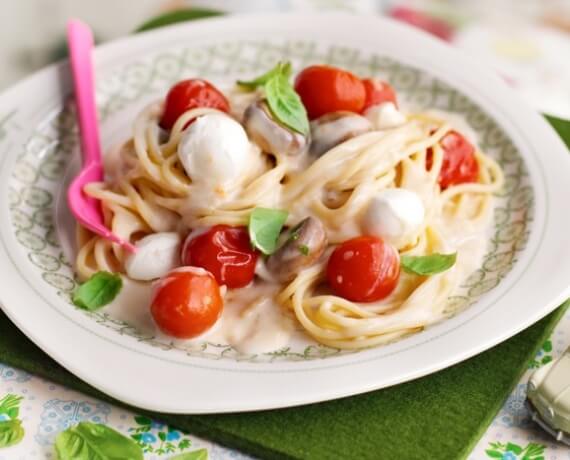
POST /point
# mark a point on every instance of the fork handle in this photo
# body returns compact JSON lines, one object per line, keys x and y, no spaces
{"x":80,"y":40}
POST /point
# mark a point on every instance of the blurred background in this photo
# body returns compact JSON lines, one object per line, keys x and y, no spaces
{"x":526,"y":41}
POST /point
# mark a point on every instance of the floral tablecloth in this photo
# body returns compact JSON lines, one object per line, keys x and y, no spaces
{"x":45,"y":409}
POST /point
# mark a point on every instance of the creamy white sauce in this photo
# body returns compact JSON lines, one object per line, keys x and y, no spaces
{"x":252,"y":322}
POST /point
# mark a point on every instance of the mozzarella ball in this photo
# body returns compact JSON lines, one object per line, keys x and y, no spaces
{"x":156,"y":255}
{"x":394,"y":215}
{"x":214,"y":150}
{"x":385,"y":116}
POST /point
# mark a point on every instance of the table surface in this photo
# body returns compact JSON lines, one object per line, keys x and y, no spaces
{"x":47,"y":409}
{"x":529,"y":59}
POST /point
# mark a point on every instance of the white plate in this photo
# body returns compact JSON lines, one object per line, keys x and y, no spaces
{"x":525,"y":275}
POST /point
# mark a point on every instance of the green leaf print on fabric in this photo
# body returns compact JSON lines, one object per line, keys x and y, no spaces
{"x":544,"y":356}
{"x":156,"y":438}
{"x":512,"y":451}
{"x":11,"y":430}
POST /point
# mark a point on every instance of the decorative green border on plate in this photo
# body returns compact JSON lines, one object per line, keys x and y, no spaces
{"x":40,"y":168}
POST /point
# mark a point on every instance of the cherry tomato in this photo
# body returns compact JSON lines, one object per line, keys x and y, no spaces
{"x":324,"y":89}
{"x":186,"y":302}
{"x":224,"y":251}
{"x":377,"y":92}
{"x":191,"y":94}
{"x":459,"y":163}
{"x":363,"y":269}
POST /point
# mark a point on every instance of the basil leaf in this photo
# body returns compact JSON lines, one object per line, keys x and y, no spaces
{"x":200,"y":454}
{"x":11,"y":432}
{"x":264,"y":228}
{"x":428,"y":265}
{"x":282,"y":68}
{"x":286,"y":105}
{"x":92,"y":441}
{"x":98,"y":291}
{"x":174,"y":17}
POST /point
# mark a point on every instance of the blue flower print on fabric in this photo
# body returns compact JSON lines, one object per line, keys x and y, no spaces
{"x":157,"y":425}
{"x":157,"y":438}
{"x":59,"y":415}
{"x":148,"y":438}
{"x":514,"y":412}
{"x":173,"y":436}
{"x":9,"y":374}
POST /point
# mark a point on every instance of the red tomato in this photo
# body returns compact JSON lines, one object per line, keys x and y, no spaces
{"x":324,"y":89}
{"x":186,"y":302}
{"x":191,"y":94}
{"x":459,"y":163}
{"x":364,"y":269}
{"x":377,"y":92}
{"x":225,"y":252}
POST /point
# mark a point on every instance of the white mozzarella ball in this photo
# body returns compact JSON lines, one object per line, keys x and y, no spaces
{"x":394,"y":215}
{"x":385,"y":116}
{"x":214,"y":150}
{"x":156,"y":255}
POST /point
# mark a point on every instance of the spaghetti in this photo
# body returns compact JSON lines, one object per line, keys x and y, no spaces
{"x":147,"y":191}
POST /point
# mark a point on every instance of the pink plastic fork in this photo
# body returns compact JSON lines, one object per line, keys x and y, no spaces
{"x":87,"y":210}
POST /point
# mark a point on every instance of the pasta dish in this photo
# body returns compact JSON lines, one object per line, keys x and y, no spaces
{"x":318,"y":206}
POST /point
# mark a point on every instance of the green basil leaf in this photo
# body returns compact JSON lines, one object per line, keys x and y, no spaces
{"x":11,"y":432}
{"x":282,"y":68}
{"x":92,"y":441}
{"x":264,"y":228}
{"x":200,"y":454}
{"x":98,"y":291}
{"x":428,"y":265}
{"x":174,"y":17}
{"x":286,"y":105}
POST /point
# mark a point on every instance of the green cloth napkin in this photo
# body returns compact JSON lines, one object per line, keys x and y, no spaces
{"x":441,"y":416}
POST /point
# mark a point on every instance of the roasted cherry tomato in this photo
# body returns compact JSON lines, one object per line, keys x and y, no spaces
{"x":225,"y":252}
{"x":377,"y":92}
{"x":459,"y":163}
{"x":363,"y":269}
{"x":186,"y":302}
{"x":324,"y":89}
{"x":191,"y":94}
